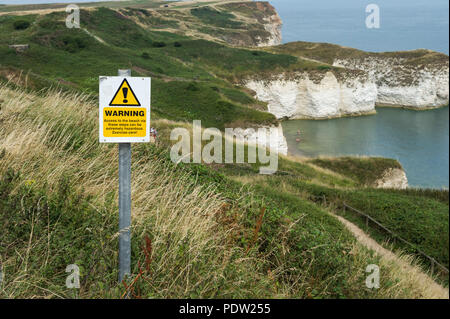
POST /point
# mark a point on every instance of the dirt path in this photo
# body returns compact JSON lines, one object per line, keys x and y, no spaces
{"x":366,"y":240}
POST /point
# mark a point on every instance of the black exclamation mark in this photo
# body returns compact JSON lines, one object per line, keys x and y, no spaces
{"x":125,"y":93}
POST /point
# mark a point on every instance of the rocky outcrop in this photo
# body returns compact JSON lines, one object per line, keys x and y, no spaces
{"x":308,"y":95}
{"x":393,"y":178}
{"x":403,"y":83}
{"x":272,"y":24}
{"x":261,"y":25}
{"x":19,"y":48}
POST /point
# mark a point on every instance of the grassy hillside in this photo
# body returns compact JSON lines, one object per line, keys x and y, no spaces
{"x":109,"y":40}
{"x":365,"y":170}
{"x":419,"y":216}
{"x":196,"y":232}
{"x":327,"y":53}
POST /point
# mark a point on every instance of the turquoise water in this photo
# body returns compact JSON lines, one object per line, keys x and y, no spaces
{"x":418,"y":139}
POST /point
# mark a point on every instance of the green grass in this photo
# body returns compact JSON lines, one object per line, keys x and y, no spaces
{"x":201,"y":101}
{"x":419,"y":216}
{"x":365,"y":170}
{"x":150,"y":4}
{"x":216,"y":18}
{"x":327,"y":53}
{"x":421,"y":220}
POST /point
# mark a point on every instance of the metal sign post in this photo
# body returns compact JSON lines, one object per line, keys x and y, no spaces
{"x":124,"y":118}
{"x":124,"y":204}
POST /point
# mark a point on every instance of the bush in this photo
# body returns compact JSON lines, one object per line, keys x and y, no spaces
{"x":177,"y":44}
{"x":323,"y":67}
{"x":192,"y":87}
{"x":145,"y":55}
{"x":158,"y":44}
{"x":21,"y":25}
{"x":48,"y":23}
{"x":74,"y":43}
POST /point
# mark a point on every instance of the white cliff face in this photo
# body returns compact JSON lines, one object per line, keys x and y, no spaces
{"x":403,"y":84}
{"x":303,"y":97}
{"x":272,"y":25}
{"x":275,"y":141}
{"x":393,"y":178}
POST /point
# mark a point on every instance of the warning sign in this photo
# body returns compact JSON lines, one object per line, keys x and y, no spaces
{"x":124,"y":114}
{"x":125,"y":96}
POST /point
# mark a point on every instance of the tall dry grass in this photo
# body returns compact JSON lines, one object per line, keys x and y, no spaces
{"x":191,"y":232}
{"x":54,"y":135}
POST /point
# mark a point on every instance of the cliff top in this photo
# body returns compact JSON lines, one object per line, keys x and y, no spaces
{"x":327,"y":53}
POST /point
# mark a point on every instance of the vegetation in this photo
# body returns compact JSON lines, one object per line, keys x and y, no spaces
{"x":420,"y":217}
{"x":21,"y":24}
{"x":196,"y":233}
{"x":364,"y":170}
{"x":210,"y":16}
{"x":199,"y":231}
{"x":327,"y":53}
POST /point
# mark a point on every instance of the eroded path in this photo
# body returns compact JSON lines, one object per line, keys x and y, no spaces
{"x":430,"y":287}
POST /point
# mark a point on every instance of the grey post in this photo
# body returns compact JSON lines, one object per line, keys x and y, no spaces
{"x":124,"y":204}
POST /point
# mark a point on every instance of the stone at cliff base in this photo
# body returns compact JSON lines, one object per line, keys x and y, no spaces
{"x":393,"y":178}
{"x":19,"y":48}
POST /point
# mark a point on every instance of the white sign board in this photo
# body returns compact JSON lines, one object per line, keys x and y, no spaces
{"x":124,"y":114}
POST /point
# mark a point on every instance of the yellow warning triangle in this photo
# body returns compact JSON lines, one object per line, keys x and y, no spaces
{"x":125,"y":96}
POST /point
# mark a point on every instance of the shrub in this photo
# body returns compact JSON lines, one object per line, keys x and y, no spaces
{"x":21,"y":25}
{"x":323,"y":67}
{"x":73,"y":43}
{"x":145,"y":55}
{"x":47,"y":23}
{"x":159,"y":44}
{"x":177,"y":44}
{"x":192,"y":87}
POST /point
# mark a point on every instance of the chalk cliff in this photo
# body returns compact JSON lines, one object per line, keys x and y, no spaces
{"x":272,"y":24}
{"x":401,"y":83}
{"x":311,"y":96}
{"x":261,"y":25}
{"x":393,"y":178}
